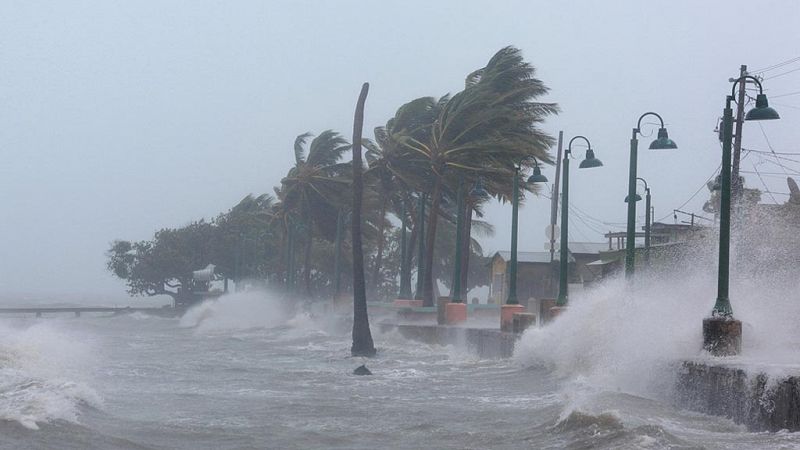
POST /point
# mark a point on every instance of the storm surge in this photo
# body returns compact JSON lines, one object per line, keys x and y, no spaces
{"x":237,"y":311}
{"x":44,"y":374}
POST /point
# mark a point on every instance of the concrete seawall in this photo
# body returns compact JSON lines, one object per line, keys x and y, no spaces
{"x":743,"y":393}
{"x":746,"y":395}
{"x":484,"y":342}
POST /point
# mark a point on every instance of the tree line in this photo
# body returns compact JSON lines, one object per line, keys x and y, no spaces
{"x":296,"y":239}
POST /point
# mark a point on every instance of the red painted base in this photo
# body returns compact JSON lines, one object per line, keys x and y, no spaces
{"x":507,"y":316}
{"x":455,"y":313}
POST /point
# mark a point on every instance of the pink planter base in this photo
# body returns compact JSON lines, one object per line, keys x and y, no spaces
{"x":507,"y":316}
{"x":455,"y":313}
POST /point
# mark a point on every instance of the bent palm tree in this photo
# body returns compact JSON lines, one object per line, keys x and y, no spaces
{"x":313,"y":189}
{"x":486,"y":130}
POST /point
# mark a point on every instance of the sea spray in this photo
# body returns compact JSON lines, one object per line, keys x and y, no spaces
{"x":630,"y":336}
{"x":237,"y":311}
{"x":44,"y":374}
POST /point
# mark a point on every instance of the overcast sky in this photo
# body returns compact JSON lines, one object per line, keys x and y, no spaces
{"x":119,"y":118}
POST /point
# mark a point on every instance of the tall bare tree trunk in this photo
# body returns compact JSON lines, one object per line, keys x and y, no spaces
{"x":362,"y":338}
{"x":428,"y":280}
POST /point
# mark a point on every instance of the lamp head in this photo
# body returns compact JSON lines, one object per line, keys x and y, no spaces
{"x":478,"y":190}
{"x":636,"y":198}
{"x":590,"y":160}
{"x":663,"y":142}
{"x":537,"y":176}
{"x":762,"y":111}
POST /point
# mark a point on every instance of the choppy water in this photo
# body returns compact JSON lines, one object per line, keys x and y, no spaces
{"x":239,"y":374}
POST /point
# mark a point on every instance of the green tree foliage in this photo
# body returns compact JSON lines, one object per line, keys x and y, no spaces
{"x":163,"y":265}
{"x":429,"y":146}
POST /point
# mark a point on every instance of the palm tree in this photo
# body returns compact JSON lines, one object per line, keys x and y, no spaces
{"x":362,"y":338}
{"x":313,"y":189}
{"x":251,"y":218}
{"x":486,"y":130}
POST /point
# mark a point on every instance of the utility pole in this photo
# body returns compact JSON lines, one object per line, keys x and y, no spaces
{"x":736,"y":184}
{"x":554,"y":206}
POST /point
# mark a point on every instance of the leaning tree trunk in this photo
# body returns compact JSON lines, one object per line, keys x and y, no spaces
{"x":376,"y":269}
{"x":427,"y":287}
{"x":362,"y":338}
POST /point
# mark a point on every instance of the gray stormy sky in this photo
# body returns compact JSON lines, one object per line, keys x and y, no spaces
{"x":118,"y":118}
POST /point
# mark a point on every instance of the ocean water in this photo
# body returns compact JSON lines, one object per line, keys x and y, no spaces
{"x":241,"y":373}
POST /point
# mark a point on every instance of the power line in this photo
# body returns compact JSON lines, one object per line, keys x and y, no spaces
{"x":769,"y":144}
{"x":769,"y":174}
{"x":766,"y":189}
{"x":784,"y":105}
{"x":782,"y":74}
{"x":766,"y":152}
{"x":705,"y":183}
{"x":785,"y":95}
{"x":776,"y":66}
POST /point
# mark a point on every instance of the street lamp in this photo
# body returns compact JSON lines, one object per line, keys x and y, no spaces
{"x":337,"y":256}
{"x":590,"y":162}
{"x":722,"y":334}
{"x":537,"y":177}
{"x":455,"y":297}
{"x":479,"y":192}
{"x":420,"y":245}
{"x":405,"y":261}
{"x":647,"y":223}
{"x":662,"y":142}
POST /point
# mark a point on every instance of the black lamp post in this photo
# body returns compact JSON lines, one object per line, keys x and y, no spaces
{"x":537,"y":177}
{"x":662,"y":142}
{"x":405,"y":261}
{"x":722,"y":334}
{"x":420,"y":245}
{"x":647,"y":223}
{"x":590,"y":162}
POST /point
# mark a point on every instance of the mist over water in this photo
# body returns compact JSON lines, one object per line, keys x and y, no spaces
{"x":251,"y":370}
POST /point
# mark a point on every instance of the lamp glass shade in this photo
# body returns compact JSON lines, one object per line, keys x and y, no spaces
{"x":663,"y":142}
{"x":590,"y":161}
{"x":537,"y":176}
{"x":762,"y":111}
{"x":636,"y":198}
{"x":478,"y":190}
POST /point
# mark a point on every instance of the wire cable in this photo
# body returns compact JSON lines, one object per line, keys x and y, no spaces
{"x":782,"y":74}
{"x":777,"y":66}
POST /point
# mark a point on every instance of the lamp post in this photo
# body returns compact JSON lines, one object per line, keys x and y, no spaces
{"x":662,"y":142}
{"x":646,"y":220}
{"x":455,"y":297}
{"x":420,"y":245}
{"x":536,"y":177}
{"x":512,"y":264}
{"x":589,"y":162}
{"x":337,"y":256}
{"x":722,"y":334}
{"x":456,"y":310}
{"x":512,"y":305}
{"x":405,"y":261}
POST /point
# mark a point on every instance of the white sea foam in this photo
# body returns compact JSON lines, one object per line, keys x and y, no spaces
{"x":42,"y":374}
{"x":624,"y":337}
{"x":236,"y":311}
